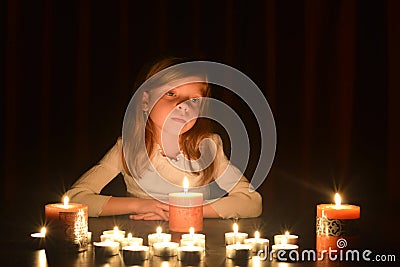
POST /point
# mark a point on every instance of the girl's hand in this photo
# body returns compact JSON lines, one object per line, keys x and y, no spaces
{"x":150,"y":209}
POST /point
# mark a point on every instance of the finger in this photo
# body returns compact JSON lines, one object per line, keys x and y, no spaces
{"x":164,"y":215}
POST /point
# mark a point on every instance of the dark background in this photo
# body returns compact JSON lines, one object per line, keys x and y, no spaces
{"x":329,"y":69}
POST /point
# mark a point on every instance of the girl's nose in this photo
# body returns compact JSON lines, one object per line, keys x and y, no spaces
{"x":183,"y":106}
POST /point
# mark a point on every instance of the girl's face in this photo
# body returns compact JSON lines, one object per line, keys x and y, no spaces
{"x":176,"y":111}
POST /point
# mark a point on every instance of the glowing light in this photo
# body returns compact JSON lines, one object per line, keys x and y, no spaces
{"x":116,"y":230}
{"x":43,"y":231}
{"x":284,"y":240}
{"x":287,"y":234}
{"x":256,"y":234}
{"x":338,"y":200}
{"x":191,"y":230}
{"x":185,"y":184}
{"x":235,"y":228}
{"x":66,"y":201}
{"x":130,"y":236}
{"x":159,"y":230}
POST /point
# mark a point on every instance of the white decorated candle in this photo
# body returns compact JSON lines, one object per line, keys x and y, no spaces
{"x":235,"y":236}
{"x":159,"y":236}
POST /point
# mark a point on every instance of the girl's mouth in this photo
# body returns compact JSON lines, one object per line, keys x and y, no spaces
{"x":177,"y":119}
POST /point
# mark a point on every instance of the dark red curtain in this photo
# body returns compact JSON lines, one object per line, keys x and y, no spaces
{"x":329,"y":70}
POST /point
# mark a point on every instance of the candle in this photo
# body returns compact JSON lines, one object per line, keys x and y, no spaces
{"x":259,"y":245}
{"x":157,"y":237}
{"x":284,"y":251}
{"x":185,"y":210}
{"x":290,"y":239}
{"x":336,"y":221}
{"x":238,"y":251}
{"x":235,"y":236}
{"x":165,"y":249}
{"x":190,"y":254}
{"x":134,"y":255}
{"x":68,"y":223}
{"x":106,"y":249}
{"x":193,"y":239}
{"x":131,"y":241}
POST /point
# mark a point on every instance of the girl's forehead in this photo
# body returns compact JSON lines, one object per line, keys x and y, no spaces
{"x":189,"y":84}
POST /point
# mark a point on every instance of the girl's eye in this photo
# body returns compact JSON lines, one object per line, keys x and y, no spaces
{"x":195,"y":100}
{"x":170,"y":93}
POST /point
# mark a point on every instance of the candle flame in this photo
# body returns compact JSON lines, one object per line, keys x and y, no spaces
{"x":284,"y":240}
{"x":185,"y":184}
{"x":191,"y":230}
{"x":257,"y":234}
{"x":287,"y":234}
{"x":159,"y":230}
{"x":66,"y":201}
{"x":235,"y":228}
{"x":338,"y":200}
{"x":130,"y":236}
{"x":116,"y":230}
{"x":43,"y":231}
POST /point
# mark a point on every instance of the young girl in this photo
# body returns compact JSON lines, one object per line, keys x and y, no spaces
{"x":166,"y":137}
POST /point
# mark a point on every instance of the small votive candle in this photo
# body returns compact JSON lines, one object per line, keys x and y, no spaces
{"x":284,"y":251}
{"x":190,"y":254}
{"x":134,"y":255}
{"x":290,"y":239}
{"x":106,"y":249}
{"x":193,"y":239}
{"x":131,"y":241}
{"x":158,"y":237}
{"x":238,"y":251}
{"x":113,"y":235}
{"x":235,"y":236}
{"x":259,"y":245}
{"x":165,"y":249}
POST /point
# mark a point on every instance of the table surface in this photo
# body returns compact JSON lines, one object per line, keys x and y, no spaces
{"x":23,"y":253}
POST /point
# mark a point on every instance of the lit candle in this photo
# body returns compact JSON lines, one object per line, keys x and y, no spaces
{"x":235,"y":236}
{"x":284,"y":251}
{"x":134,"y":255}
{"x":185,"y":210}
{"x":190,"y":254}
{"x":157,"y":237}
{"x":335,"y":221}
{"x":106,"y":248}
{"x":259,"y":245}
{"x":41,"y":234}
{"x":193,"y":239}
{"x":165,"y":249}
{"x":131,"y":241}
{"x":68,"y":223}
{"x":238,"y":251}
{"x":290,"y":239}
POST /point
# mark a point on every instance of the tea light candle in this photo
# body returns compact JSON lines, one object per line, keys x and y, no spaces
{"x":193,"y":239}
{"x":134,"y":255}
{"x":258,"y":244}
{"x":113,"y":235}
{"x":185,"y":210}
{"x":235,"y":236}
{"x":106,"y":249}
{"x":158,"y":237}
{"x":41,"y":234}
{"x":283,"y":251}
{"x":238,"y":251}
{"x":165,"y":249}
{"x":131,"y":241}
{"x":190,"y":254}
{"x":335,"y":221}
{"x":290,"y":239}
{"x":68,"y":223}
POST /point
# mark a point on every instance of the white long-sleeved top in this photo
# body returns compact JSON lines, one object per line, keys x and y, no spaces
{"x":163,"y":178}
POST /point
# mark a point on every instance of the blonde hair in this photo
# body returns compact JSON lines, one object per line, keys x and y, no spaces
{"x":189,"y":141}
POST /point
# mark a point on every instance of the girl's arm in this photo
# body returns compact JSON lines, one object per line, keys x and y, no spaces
{"x":209,"y":212}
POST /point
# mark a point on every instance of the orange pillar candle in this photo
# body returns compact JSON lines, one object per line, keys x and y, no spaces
{"x":336,"y":221}
{"x":68,"y":226}
{"x":185,"y":210}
